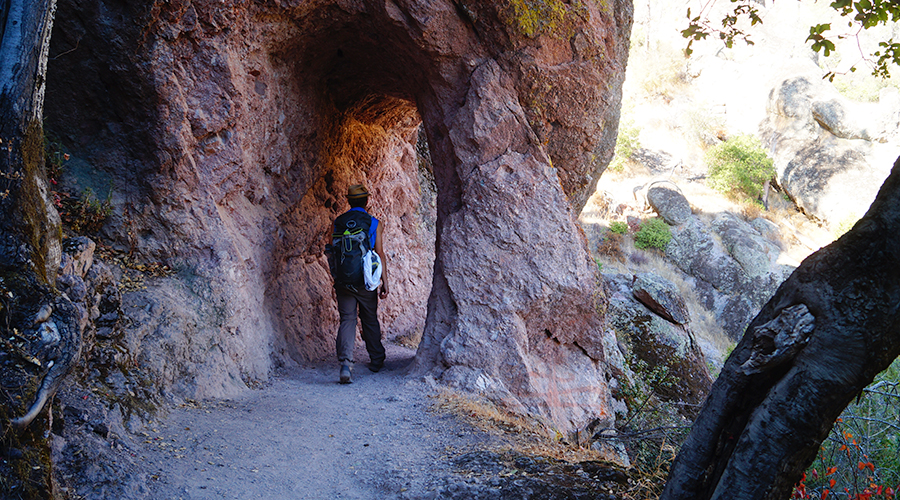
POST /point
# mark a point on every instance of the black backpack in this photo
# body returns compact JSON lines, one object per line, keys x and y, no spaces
{"x":349,"y":244}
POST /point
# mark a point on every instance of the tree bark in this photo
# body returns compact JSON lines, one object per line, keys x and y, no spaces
{"x":825,"y":335}
{"x":41,"y":335}
{"x":30,"y":230}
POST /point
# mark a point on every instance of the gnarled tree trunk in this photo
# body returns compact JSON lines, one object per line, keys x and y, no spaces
{"x":30,"y":238}
{"x":830,"y":328}
{"x":40,"y":330}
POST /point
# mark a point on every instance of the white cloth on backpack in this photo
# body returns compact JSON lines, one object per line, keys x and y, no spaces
{"x":372,"y":270}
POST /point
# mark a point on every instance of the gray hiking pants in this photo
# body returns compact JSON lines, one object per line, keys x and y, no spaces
{"x":366,"y":303}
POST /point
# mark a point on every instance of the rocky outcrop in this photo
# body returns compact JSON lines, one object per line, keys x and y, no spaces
{"x":830,"y":152}
{"x":230,"y":132}
{"x":663,"y":352}
{"x":734,"y":274}
{"x":661,"y":296}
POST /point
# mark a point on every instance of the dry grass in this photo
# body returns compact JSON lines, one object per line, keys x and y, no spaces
{"x":528,"y":436}
{"x":523,"y":434}
{"x":410,"y":340}
{"x":703,"y":321}
{"x":751,"y":210}
{"x":653,"y":452}
{"x":610,"y":247}
{"x":659,"y":72}
{"x":360,"y":135}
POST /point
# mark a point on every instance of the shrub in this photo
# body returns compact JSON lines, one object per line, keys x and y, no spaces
{"x":54,"y":159}
{"x":618,"y":227}
{"x":845,"y":225}
{"x":739,"y":167}
{"x":654,"y":233}
{"x":653,"y":431}
{"x":861,"y":456}
{"x":611,"y":246}
{"x":84,"y":214}
{"x":626,"y":144}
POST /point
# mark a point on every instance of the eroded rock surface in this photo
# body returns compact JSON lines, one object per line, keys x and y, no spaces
{"x":669,"y":203}
{"x":231,"y":130}
{"x":830,"y":152}
{"x":733,"y":275}
{"x":666,"y":350}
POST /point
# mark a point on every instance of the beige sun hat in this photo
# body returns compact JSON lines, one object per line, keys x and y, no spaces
{"x":357,"y":191}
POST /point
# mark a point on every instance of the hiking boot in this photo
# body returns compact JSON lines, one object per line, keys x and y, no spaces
{"x":345,"y":374}
{"x":376,"y":367}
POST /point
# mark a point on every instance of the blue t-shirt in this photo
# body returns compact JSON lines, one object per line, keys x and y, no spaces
{"x":373,"y":229}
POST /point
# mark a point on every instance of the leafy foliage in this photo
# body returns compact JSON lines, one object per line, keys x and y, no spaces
{"x":700,"y":26}
{"x":861,"y":457}
{"x":739,"y":167}
{"x":618,"y":227}
{"x":627,"y":143}
{"x":863,"y":14}
{"x":654,"y":233}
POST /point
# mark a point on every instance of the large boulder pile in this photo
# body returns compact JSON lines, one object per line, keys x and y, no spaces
{"x":831,"y":153}
{"x":229,"y":132}
{"x":729,"y":265}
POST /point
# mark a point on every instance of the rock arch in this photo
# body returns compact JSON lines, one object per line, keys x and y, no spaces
{"x":257,"y":115}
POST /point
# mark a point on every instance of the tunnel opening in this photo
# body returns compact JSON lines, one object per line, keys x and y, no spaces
{"x":259,"y":119}
{"x":368,"y":129}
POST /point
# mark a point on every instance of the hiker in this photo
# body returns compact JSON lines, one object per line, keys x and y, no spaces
{"x":353,"y":294}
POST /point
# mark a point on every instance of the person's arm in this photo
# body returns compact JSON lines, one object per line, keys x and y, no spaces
{"x":384,"y":267}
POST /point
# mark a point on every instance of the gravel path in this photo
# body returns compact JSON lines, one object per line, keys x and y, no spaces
{"x":305,"y":436}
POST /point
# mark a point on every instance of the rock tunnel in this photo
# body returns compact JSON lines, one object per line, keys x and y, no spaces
{"x":231,"y":133}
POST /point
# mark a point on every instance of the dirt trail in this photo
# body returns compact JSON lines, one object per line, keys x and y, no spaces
{"x":305,"y":436}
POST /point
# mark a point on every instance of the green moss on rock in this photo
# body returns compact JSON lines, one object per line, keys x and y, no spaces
{"x":544,"y":17}
{"x":40,"y":222}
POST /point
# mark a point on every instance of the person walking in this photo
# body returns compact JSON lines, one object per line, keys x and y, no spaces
{"x":353,"y":299}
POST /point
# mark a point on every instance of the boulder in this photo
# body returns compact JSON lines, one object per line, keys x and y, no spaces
{"x":693,"y":249}
{"x":658,"y":342}
{"x":767,"y":229}
{"x":756,"y":255}
{"x":829,"y":152}
{"x":668,"y":201}
{"x":661,"y":296}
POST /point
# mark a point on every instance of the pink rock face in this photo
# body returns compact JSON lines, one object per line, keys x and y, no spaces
{"x":258,"y":116}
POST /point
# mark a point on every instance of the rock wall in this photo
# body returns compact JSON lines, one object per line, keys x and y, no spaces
{"x":230,"y":130}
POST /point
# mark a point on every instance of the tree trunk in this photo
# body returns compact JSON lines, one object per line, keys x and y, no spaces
{"x":41,"y":336}
{"x":30,"y":229}
{"x":824,"y":336}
